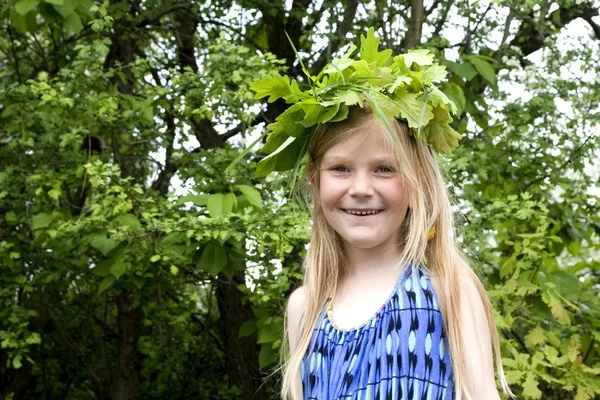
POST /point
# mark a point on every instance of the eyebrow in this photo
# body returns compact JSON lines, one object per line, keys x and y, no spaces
{"x":341,"y":160}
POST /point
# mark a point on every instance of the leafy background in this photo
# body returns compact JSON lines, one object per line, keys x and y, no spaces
{"x":133,"y":267}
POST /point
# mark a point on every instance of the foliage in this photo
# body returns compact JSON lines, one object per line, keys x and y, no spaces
{"x":400,"y":88}
{"x":134,"y":267}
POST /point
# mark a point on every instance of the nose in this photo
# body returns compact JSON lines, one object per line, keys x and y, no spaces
{"x":361,"y":186}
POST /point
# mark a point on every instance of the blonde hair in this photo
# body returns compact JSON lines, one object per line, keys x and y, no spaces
{"x":430,"y":207}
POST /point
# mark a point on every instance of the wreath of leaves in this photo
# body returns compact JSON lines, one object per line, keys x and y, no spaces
{"x":402,"y":87}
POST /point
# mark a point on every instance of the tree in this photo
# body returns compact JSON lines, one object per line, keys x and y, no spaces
{"x":133,"y":267}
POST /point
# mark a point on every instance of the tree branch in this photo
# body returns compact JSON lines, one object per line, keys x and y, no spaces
{"x":242,"y":127}
{"x":415,"y":28}
{"x":434,"y":6}
{"x":564,"y":163}
{"x":316,"y":16}
{"x":443,"y":17}
{"x":343,"y":28}
{"x":595,"y":26}
{"x":530,"y":36}
{"x":151,"y":19}
{"x":384,"y":24}
{"x":161,"y":184}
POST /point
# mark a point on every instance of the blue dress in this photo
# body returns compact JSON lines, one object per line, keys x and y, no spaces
{"x":400,"y":353}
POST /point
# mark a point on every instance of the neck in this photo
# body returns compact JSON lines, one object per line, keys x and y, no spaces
{"x":372,"y":261}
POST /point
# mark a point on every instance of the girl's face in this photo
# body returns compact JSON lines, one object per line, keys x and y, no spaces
{"x":361,"y":193}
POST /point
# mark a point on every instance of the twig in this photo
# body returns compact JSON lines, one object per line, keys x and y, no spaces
{"x":153,"y":18}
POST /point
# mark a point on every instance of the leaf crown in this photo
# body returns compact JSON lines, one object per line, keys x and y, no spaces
{"x":401,"y":87}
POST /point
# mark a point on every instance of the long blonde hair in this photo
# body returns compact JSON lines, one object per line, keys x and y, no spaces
{"x":430,"y":207}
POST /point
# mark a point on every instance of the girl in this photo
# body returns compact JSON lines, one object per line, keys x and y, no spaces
{"x":389,"y":308}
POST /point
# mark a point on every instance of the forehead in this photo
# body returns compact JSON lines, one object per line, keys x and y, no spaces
{"x":370,"y":142}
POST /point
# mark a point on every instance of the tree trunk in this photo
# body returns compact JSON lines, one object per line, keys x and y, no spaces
{"x":126,"y":377}
{"x":413,"y":36}
{"x":241,"y":353}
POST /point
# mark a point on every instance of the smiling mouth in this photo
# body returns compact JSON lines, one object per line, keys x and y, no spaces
{"x":361,"y":212}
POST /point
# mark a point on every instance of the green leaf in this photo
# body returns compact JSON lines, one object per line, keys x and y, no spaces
{"x":556,"y":308}
{"x":369,"y":49}
{"x":175,"y":243}
{"x":484,"y":68}
{"x":338,"y":65}
{"x":530,"y":388}
{"x":66,"y":8}
{"x":266,"y":356}
{"x":411,"y":109}
{"x":16,"y":362}
{"x":422,"y":57}
{"x":434,"y":73}
{"x":83,"y":6}
{"x":24,"y":6}
{"x":41,"y":220}
{"x":18,"y":21}
{"x":73,"y":22}
{"x":456,"y":95}
{"x":215,"y":205}
{"x":277,"y":86}
{"x":197,"y":199}
{"x":312,"y":113}
{"x":400,"y":82}
{"x":288,"y":156}
{"x":59,"y":2}
{"x":464,"y":70}
{"x":248,"y":328}
{"x":101,"y":242}
{"x":535,"y":337}
{"x":342,"y":114}
{"x":138,"y":282}
{"x":103,"y":267}
{"x":351,"y":98}
{"x":129,"y":220}
{"x":229,"y":203}
{"x":268,"y":333}
{"x":328,"y":113}
{"x":106,"y":283}
{"x":436,"y":97}
{"x":174,"y":270}
{"x":566,"y":284}
{"x":214,"y":258}
{"x":118,"y":268}
{"x":264,"y":161}
{"x":252,"y":195}
{"x":584,"y":392}
{"x":439,"y":133}
{"x":289,"y":122}
{"x":390,"y":108}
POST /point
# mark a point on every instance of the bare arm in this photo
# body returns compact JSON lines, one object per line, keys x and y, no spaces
{"x":477,"y":343}
{"x":295,"y":309}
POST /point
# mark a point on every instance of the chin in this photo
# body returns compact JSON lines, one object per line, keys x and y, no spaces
{"x":363,"y":244}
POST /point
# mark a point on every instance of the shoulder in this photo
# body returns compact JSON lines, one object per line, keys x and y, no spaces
{"x":295,"y":310}
{"x":297,"y":299}
{"x":474,"y":299}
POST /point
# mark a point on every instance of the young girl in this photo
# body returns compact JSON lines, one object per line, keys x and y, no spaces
{"x":389,"y":308}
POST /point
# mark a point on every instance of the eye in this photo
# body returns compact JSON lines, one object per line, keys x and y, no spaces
{"x":385,"y":169}
{"x":340,"y":168}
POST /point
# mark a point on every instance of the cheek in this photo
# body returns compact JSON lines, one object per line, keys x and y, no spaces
{"x":329,"y":193}
{"x":399,"y":196}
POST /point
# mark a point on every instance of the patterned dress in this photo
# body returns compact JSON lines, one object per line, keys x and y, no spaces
{"x":400,"y":353}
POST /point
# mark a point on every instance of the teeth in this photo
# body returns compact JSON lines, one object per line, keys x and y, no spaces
{"x":362,"y":212}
